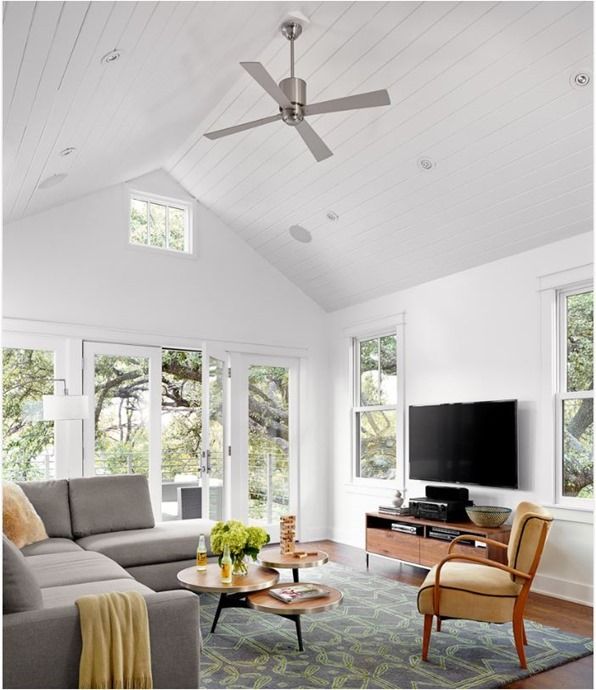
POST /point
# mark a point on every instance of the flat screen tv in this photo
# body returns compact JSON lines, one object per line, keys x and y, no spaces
{"x":465,"y":443}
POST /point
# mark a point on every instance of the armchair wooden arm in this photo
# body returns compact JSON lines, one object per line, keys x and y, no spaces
{"x":475,"y":537}
{"x":471,"y":559}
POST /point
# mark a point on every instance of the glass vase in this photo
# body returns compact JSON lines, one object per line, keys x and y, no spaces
{"x":240,"y":566}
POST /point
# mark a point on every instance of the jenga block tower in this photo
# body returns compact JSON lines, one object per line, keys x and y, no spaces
{"x":287,"y":534}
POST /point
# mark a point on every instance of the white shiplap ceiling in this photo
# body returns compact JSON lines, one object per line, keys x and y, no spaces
{"x":481,"y":88}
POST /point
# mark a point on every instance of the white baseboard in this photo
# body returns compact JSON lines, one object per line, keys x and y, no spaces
{"x":315,"y":534}
{"x":578,"y":592}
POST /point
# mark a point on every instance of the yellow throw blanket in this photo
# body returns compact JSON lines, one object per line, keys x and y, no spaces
{"x":116,"y":652}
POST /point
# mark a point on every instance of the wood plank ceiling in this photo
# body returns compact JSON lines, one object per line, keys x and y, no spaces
{"x":485,"y":90}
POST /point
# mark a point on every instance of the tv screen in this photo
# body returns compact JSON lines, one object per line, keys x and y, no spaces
{"x":465,"y":443}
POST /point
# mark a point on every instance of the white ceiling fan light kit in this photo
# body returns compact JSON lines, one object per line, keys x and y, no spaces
{"x":290,"y":95}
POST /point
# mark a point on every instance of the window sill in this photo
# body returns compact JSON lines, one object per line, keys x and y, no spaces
{"x":372,"y":489}
{"x":565,"y":513}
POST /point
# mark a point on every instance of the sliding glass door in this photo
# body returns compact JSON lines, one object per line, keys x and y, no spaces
{"x":29,"y":367}
{"x":123,"y":435}
{"x":264,"y":439}
{"x":159,"y":412}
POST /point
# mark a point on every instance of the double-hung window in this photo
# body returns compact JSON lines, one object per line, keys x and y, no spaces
{"x":575,"y":396}
{"x":160,"y":223}
{"x":375,"y":407}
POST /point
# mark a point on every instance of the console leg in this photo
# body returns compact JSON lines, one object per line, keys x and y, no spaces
{"x":295,"y":573}
{"x":367,"y":561}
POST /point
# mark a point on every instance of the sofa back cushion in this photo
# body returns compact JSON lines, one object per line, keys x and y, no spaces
{"x":50,"y":500}
{"x":20,"y":522}
{"x":21,"y":592}
{"x":109,"y":504}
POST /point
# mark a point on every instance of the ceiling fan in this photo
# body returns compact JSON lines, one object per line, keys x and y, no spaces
{"x":290,"y":95}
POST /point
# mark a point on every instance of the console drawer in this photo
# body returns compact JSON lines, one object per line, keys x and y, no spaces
{"x":432,"y":550}
{"x":386,"y":542}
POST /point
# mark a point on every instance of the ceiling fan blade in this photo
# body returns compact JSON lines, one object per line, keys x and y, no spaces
{"x":216,"y":134}
{"x":266,"y":81}
{"x":372,"y":99}
{"x":317,"y":146}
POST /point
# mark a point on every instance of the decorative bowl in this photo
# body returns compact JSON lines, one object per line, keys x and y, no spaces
{"x":488,"y":516}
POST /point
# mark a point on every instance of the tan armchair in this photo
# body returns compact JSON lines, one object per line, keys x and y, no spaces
{"x":474,"y":588}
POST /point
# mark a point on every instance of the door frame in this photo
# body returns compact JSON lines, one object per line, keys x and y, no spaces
{"x":208,"y":351}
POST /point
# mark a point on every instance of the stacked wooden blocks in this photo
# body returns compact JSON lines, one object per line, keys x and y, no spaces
{"x":287,"y":534}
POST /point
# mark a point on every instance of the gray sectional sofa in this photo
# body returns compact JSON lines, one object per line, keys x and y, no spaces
{"x":102,"y":538}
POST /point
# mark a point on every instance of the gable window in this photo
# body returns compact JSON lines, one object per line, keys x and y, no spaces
{"x":575,"y":399}
{"x":159,"y":223}
{"x":375,"y":409}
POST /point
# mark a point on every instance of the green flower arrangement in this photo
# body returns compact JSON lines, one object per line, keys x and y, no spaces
{"x":241,"y":540}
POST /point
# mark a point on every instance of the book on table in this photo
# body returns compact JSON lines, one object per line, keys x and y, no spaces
{"x":298,"y":592}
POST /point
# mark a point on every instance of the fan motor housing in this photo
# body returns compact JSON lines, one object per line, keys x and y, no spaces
{"x":295,"y":89}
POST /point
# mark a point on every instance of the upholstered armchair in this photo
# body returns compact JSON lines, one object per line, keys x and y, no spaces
{"x":474,"y":588}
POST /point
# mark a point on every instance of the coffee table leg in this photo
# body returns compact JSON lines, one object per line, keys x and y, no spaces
{"x":296,"y":620}
{"x":295,"y":573}
{"x":218,"y":612}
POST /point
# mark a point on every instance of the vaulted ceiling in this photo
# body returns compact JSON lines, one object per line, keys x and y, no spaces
{"x":484,"y":90}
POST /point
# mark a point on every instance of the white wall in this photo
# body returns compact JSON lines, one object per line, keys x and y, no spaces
{"x":73,"y":265}
{"x":474,"y":335}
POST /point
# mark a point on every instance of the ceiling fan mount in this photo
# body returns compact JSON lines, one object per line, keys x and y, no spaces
{"x":290,"y":95}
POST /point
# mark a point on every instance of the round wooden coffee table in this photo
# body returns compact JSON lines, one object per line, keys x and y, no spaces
{"x":264,"y":602}
{"x":232,"y":595}
{"x":273,"y":558}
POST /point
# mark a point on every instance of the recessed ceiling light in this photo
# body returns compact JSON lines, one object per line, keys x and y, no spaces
{"x":332,"y":216}
{"x":300,"y":234}
{"x":51,"y":181}
{"x":69,"y":150}
{"x":426,"y":163}
{"x":110,"y":57}
{"x":580,"y":80}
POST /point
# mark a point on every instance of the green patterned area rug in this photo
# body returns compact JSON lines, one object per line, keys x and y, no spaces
{"x":373,"y":640}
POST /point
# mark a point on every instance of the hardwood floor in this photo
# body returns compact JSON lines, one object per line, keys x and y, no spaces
{"x":564,"y":615}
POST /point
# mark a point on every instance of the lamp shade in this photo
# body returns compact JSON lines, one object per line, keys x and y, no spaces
{"x":57,"y":407}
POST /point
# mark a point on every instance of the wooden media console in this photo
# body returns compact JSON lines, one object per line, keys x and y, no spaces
{"x":430,"y":541}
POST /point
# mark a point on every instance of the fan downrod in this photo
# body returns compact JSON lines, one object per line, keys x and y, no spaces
{"x":293,"y":87}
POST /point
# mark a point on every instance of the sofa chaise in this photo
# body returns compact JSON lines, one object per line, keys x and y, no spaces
{"x":102,"y":537}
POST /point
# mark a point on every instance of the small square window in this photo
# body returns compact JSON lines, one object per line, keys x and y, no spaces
{"x":159,"y":224}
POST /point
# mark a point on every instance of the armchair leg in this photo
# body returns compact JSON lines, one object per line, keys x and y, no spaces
{"x":438,"y":623}
{"x":519,"y":635}
{"x":428,"y":624}
{"x":524,"y":632}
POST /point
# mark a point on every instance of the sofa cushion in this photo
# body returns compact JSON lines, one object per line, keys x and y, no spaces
{"x":109,"y":504}
{"x":21,"y":592}
{"x":67,"y":595}
{"x":167,"y":541}
{"x":50,"y":500}
{"x":55,"y":545}
{"x":20,"y":522}
{"x":57,"y":569}
{"x":472,"y":591}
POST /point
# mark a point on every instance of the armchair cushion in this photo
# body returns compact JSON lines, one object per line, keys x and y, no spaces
{"x":525,"y":533}
{"x":472,"y":591}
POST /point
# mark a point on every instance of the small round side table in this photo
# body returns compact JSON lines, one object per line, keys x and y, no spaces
{"x":273,"y":558}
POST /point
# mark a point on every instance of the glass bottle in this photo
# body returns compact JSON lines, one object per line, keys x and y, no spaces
{"x":202,"y":554}
{"x":226,"y":566}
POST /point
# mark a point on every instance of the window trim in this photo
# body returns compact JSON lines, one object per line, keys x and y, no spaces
{"x":169,"y":202}
{"x":356,"y":336}
{"x":561,"y":392}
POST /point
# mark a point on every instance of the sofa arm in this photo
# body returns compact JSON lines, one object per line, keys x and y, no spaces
{"x":42,"y":648}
